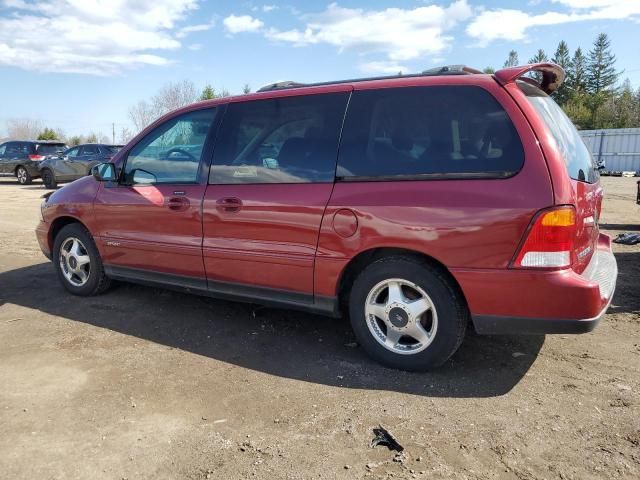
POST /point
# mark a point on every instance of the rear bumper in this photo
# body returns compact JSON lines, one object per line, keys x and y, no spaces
{"x":31,"y":167}
{"x":528,"y":302}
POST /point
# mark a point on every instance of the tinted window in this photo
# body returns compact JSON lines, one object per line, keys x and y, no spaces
{"x":2,"y":150}
{"x":73,"y":152}
{"x":89,"y":150}
{"x":17,"y":149}
{"x":576,"y":154}
{"x":284,"y":140}
{"x":171,"y":153}
{"x":448,"y":130}
{"x":112,"y":148}
{"x":50,"y":148}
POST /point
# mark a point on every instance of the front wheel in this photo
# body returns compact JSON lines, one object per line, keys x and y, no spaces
{"x":49,"y":179}
{"x":23,"y":176}
{"x":78,"y":263}
{"x":407,"y":314}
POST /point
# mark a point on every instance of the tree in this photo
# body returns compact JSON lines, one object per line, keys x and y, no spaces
{"x":512,"y":60}
{"x":47,"y":134}
{"x":539,"y":57}
{"x":92,"y":138}
{"x":170,"y":97}
{"x":208,"y":93}
{"x":23,"y":128}
{"x":489,"y":70}
{"x":576,"y":77}
{"x":247,"y":89}
{"x":563,"y":59}
{"x":75,"y":140}
{"x":601,"y":71}
{"x":125,"y":135}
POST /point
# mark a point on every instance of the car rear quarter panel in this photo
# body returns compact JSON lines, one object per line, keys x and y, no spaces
{"x":463,"y":224}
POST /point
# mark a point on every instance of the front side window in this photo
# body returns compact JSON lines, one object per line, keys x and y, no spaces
{"x":283,"y":140}
{"x":441,"y":131}
{"x":73,"y":152}
{"x":3,"y":148}
{"x":172,"y":152}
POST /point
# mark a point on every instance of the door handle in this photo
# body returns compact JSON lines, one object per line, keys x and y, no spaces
{"x":229,"y":204}
{"x":178,"y":203}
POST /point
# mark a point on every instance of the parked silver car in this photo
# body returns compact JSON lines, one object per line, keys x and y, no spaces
{"x":74,"y":163}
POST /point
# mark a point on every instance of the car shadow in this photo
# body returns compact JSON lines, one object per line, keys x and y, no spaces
{"x":627,"y":227}
{"x":278,"y":342}
{"x":626,"y":298}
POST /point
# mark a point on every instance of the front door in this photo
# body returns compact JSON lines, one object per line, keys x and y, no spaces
{"x":271,"y":178}
{"x":150,"y":222}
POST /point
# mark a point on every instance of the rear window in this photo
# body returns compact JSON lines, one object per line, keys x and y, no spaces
{"x":50,"y":148}
{"x":576,"y":154}
{"x":112,"y":148}
{"x":440,"y":132}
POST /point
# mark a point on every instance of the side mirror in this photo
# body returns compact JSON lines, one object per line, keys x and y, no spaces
{"x":142,"y":177}
{"x":104,"y":172}
{"x":601,"y":165}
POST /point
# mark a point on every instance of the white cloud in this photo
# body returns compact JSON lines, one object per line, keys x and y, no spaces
{"x":514,"y":24}
{"x":242,"y":23}
{"x":89,"y":36}
{"x":382,"y":67}
{"x":203,"y":27}
{"x":400,"y":34}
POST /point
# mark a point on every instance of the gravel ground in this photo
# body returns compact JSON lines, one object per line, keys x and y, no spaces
{"x":146,"y":383}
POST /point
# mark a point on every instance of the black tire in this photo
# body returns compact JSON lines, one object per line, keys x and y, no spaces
{"x":452,"y":313}
{"x":49,"y":178}
{"x":97,"y":281}
{"x":23,"y":176}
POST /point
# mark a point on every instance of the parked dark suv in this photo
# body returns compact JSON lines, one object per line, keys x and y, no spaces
{"x":75,"y":163}
{"x":21,"y":158}
{"x":413,"y":205}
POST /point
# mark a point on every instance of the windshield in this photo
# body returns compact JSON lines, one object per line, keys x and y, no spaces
{"x":50,"y":149}
{"x":575,"y":152}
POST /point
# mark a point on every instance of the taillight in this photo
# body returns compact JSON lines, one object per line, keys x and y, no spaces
{"x":550,"y":241}
{"x":36,"y":158}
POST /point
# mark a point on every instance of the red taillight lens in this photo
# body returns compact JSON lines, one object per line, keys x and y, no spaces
{"x":36,"y":158}
{"x":550,"y":241}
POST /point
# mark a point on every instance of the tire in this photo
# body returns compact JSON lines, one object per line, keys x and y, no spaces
{"x":79,"y":277}
{"x":49,"y":179}
{"x":23,"y":176}
{"x":414,"y":341}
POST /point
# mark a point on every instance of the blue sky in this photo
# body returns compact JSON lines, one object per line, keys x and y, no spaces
{"x":79,"y":65}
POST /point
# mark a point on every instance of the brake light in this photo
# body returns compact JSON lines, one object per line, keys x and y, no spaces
{"x":550,"y":241}
{"x":36,"y":158}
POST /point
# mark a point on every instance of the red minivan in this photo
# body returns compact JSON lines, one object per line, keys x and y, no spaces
{"x":412,"y":204}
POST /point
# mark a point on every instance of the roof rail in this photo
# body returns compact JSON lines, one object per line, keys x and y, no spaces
{"x":444,"y":70}
{"x":280,"y":85}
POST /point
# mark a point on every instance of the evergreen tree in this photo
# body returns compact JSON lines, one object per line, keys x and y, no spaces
{"x":512,"y":60}
{"x":47,"y":134}
{"x":563,"y":59}
{"x":576,"y":76}
{"x":539,"y":57}
{"x":208,"y":93}
{"x":246,"y":89}
{"x":489,"y":70}
{"x":601,"y":71}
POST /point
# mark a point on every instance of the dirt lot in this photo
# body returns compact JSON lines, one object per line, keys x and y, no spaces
{"x":146,"y":383}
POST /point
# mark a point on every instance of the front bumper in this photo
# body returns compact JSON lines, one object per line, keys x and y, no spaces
{"x":42,"y":234}
{"x":528,"y":302}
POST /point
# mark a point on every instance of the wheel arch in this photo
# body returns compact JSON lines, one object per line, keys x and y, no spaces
{"x":58,"y":224}
{"x":366,"y":257}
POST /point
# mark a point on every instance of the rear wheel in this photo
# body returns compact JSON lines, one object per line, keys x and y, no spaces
{"x":49,"y":179}
{"x":407,"y":314}
{"x":23,"y":176}
{"x":78,"y":263}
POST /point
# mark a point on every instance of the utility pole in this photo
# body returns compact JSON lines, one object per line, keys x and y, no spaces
{"x":113,"y":133}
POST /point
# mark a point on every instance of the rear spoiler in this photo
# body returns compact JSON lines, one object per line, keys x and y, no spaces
{"x":552,"y":75}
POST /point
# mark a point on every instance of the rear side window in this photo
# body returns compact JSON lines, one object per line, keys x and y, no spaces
{"x":50,"y":148}
{"x":89,"y":150}
{"x":440,"y":132}
{"x":576,"y":154}
{"x":282,"y":140}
